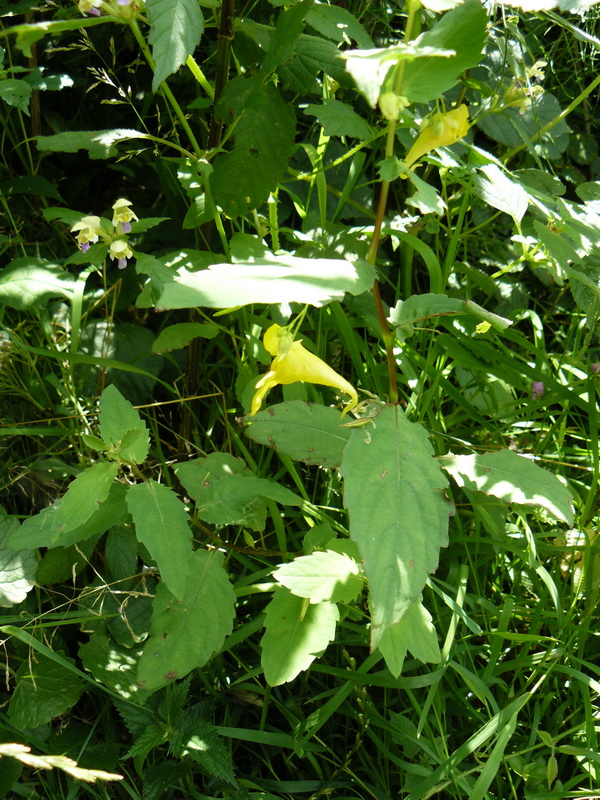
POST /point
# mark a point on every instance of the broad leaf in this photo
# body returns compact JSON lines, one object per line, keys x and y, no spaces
{"x":185,"y":633}
{"x":83,"y":497}
{"x":339,"y":119}
{"x":45,"y":690}
{"x":413,"y":632}
{"x":161,"y":524}
{"x":322,"y":576}
{"x":112,"y":666}
{"x":176,"y":29}
{"x":296,"y":633}
{"x":30,"y":282}
{"x":303,"y":431}
{"x":120,"y":424}
{"x":264,"y":137}
{"x":513,"y":478}
{"x":496,"y":189}
{"x":290,"y":24}
{"x":337,"y":23}
{"x":16,"y":93}
{"x":17,"y":569}
{"x":99,"y":144}
{"x":180,"y":335}
{"x":398,"y":513}
{"x":418,"y":309}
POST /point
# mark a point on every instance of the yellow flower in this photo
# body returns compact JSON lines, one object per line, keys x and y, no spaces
{"x":88,"y":229}
{"x":293,"y":363}
{"x":122,"y":213}
{"x":120,"y":251}
{"x":441,"y":131}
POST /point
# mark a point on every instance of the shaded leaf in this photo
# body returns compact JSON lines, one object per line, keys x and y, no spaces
{"x":99,"y":144}
{"x":176,"y":29}
{"x":180,"y":335}
{"x":337,"y":118}
{"x":45,"y":689}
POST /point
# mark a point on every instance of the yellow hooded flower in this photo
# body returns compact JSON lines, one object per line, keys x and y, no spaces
{"x":293,"y":363}
{"x":441,"y":131}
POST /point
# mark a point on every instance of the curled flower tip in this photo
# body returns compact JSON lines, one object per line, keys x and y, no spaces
{"x":537,"y":389}
{"x":120,"y":251}
{"x":293,"y":362}
{"x":441,"y":131}
{"x":88,"y":230}
{"x":121,"y":211}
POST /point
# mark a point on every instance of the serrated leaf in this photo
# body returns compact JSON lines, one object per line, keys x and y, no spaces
{"x":44,"y":690}
{"x":264,"y":137}
{"x":120,"y":551}
{"x":303,"y":431}
{"x":112,"y":666}
{"x":290,"y":24}
{"x":513,"y":478}
{"x":83,"y":497}
{"x":15,"y":92}
{"x":339,"y":119}
{"x":99,"y":144}
{"x":43,"y":530}
{"x":161,"y":524}
{"x":180,"y":335}
{"x":295,"y":634}
{"x":186,"y":633}
{"x":419,"y":308}
{"x":338,"y":24}
{"x":398,"y":513}
{"x":414,"y":632}
{"x":17,"y":568}
{"x":314,"y":55}
{"x":117,"y":418}
{"x":176,"y":29}
{"x":497,"y":190}
{"x":322,"y":576}
{"x":30,"y":282}
{"x":151,"y":737}
{"x":198,"y":739}
{"x":161,"y":777}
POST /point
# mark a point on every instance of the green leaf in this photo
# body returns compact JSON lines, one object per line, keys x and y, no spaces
{"x":32,"y":184}
{"x":296,"y":633}
{"x":29,"y":282}
{"x":464,"y":30}
{"x":161,"y":524}
{"x":180,"y":335}
{"x":27,"y":35}
{"x":17,"y":569}
{"x":176,"y":29}
{"x":43,"y":529}
{"x":197,"y":738}
{"x":303,"y":431}
{"x":121,"y":425}
{"x":120,"y":551}
{"x":418,"y":309}
{"x":322,"y":576}
{"x":83,"y":497}
{"x":45,"y":690}
{"x":513,"y":478}
{"x":414,"y":632}
{"x":186,"y":632}
{"x":112,"y":666}
{"x":338,"y":24}
{"x":16,"y":93}
{"x":290,"y":24}
{"x":337,"y":118}
{"x":99,"y":144}
{"x":398,"y":513}
{"x":425,"y":198}
{"x":497,"y":190}
{"x":264,"y":138}
{"x":259,"y":276}
{"x":227,"y":493}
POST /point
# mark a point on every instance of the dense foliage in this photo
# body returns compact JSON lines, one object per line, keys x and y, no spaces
{"x":299,"y":368}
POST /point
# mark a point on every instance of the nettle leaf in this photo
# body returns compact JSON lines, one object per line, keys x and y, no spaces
{"x":337,"y":118}
{"x":29,"y":282}
{"x":120,"y":424}
{"x":99,"y":144}
{"x":259,"y":276}
{"x":44,"y":530}
{"x":296,"y":632}
{"x":83,"y":497}
{"x":176,"y":29}
{"x":226,"y":492}
{"x":338,"y":24}
{"x":314,"y":55}
{"x":305,"y":432}
{"x":414,"y":632}
{"x":264,"y":138}
{"x":290,"y":24}
{"x":45,"y":689}
{"x":496,"y":189}
{"x":112,"y":666}
{"x":185,"y":633}
{"x":16,"y":93}
{"x":161,"y":524}
{"x":180,"y":335}
{"x":322,"y":576}
{"x":398,"y":513}
{"x":197,"y":738}
{"x":513,"y":478}
{"x":17,"y":569}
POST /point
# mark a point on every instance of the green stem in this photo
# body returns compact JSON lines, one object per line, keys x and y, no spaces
{"x":135,"y":28}
{"x":563,"y":114}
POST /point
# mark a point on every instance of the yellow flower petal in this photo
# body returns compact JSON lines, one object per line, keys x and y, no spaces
{"x":442,"y":131}
{"x":292,"y":363}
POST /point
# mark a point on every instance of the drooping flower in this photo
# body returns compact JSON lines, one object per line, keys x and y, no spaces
{"x":120,"y":251}
{"x":90,"y":7}
{"x":123,"y":214}
{"x":441,"y":131}
{"x":88,"y":230}
{"x":293,"y":362}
